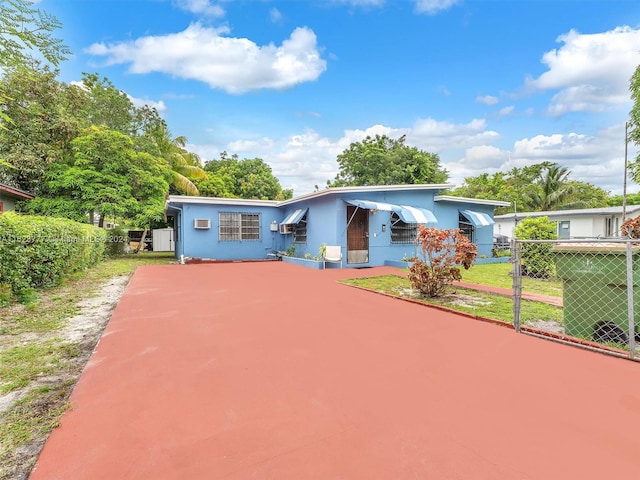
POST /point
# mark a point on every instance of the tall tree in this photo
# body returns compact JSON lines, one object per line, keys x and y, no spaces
{"x":46,"y":116}
{"x":634,"y":123}
{"x":24,"y":30}
{"x":554,"y":189}
{"x":385,"y":161}
{"x":106,"y":176}
{"x":249,"y":178}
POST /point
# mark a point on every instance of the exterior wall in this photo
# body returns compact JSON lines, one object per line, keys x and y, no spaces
{"x":326,"y":224}
{"x":205,"y":244}
{"x":8,"y":203}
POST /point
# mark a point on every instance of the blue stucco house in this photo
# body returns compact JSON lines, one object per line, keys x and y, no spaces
{"x":373,"y":225}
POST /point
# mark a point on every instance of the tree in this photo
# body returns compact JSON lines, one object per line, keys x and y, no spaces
{"x":554,"y":189}
{"x":442,"y":251}
{"x":46,"y":116}
{"x":249,"y":178}
{"x":537,"y":260}
{"x":634,"y":123}
{"x":24,"y":29}
{"x":106,"y":176}
{"x":385,"y":161}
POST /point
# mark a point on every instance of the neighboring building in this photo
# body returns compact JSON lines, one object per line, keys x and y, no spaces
{"x":373,"y":225}
{"x":581,"y":223}
{"x":10,"y":195}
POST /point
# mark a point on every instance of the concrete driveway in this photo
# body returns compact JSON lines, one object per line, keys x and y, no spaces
{"x":273,"y":371}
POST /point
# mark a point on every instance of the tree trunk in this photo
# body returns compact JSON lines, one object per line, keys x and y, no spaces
{"x":140,"y":246}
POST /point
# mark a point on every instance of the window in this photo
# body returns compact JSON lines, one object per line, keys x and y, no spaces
{"x":402,"y":232}
{"x":611,"y":226}
{"x":466,"y":227}
{"x":239,"y":226}
{"x":564,"y":229}
{"x":300,"y":230}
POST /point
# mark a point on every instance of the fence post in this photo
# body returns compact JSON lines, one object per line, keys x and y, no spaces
{"x":517,"y":283}
{"x":630,"y":296}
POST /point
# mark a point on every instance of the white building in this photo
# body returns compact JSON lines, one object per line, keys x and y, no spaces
{"x":582,"y":223}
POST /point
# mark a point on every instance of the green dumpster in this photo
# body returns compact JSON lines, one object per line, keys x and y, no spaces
{"x":594,"y":280}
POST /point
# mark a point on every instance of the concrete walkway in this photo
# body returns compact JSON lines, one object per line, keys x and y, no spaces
{"x":272,"y":371}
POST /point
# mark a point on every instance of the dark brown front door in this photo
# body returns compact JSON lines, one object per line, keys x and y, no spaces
{"x":357,"y":235}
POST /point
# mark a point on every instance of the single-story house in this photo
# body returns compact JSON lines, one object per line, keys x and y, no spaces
{"x":10,"y":195}
{"x":579,"y":223}
{"x":373,"y":225}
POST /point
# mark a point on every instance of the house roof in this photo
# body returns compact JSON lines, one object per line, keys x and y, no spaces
{"x":631,"y":209}
{"x":182,"y":199}
{"x":15,"y":192}
{"x":477,"y":201}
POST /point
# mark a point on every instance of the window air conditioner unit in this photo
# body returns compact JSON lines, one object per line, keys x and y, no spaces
{"x":202,"y":223}
{"x":284,"y":228}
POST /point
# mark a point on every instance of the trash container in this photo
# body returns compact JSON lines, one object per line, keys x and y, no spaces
{"x":595,"y":290}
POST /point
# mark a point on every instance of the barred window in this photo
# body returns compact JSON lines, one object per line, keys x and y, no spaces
{"x":402,"y":232}
{"x":300,"y":230}
{"x":466,"y":228}
{"x":239,"y":226}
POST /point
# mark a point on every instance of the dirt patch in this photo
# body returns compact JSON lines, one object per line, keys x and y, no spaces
{"x":81,"y":331}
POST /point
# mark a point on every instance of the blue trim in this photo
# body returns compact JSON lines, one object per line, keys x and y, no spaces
{"x":410,"y":214}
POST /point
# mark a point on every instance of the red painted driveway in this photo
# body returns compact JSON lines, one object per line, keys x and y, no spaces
{"x":273,"y":371}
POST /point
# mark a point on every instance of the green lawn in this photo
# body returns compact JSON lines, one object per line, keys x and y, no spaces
{"x":477,"y":303}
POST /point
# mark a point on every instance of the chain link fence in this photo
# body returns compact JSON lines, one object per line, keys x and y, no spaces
{"x":594,"y":285}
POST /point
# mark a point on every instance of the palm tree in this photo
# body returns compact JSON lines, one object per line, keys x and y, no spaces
{"x":554,"y":191}
{"x":185,"y":166}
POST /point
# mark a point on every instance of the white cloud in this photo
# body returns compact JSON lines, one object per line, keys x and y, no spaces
{"x":201,"y":7}
{"x":506,"y":111}
{"x":361,"y":3}
{"x":487,"y":99}
{"x":141,"y":102}
{"x":235,"y":65}
{"x":431,"y":7}
{"x":591,"y":71}
{"x":435,"y":136}
{"x":275,"y":15}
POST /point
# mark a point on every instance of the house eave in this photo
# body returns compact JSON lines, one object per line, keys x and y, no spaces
{"x":476,"y":201}
{"x":16,"y":192}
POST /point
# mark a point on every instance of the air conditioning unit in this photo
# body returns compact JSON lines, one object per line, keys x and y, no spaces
{"x":284,"y":228}
{"x":202,"y":223}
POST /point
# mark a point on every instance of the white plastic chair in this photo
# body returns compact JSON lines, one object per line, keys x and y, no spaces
{"x":333,"y":254}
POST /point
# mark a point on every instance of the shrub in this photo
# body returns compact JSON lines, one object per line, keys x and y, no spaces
{"x":117,"y":241}
{"x":38,"y":251}
{"x":442,"y":251}
{"x":537,"y":260}
{"x":631,"y":228}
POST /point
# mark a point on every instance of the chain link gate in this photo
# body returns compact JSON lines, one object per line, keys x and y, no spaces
{"x":595,"y":285}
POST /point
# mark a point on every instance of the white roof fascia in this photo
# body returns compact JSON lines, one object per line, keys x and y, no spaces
{"x":221,"y":201}
{"x":477,"y":201}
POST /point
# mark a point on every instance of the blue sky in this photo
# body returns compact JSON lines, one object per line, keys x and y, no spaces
{"x":486,"y":84}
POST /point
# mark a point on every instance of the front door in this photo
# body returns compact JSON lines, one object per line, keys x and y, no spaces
{"x":357,"y":235}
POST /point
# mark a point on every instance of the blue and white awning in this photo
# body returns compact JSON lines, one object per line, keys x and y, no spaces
{"x":410,"y":214}
{"x":477,"y":219}
{"x":295,"y":217}
{"x":371,"y":205}
{"x":407,"y":214}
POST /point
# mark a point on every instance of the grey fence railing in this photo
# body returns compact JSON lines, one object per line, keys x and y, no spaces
{"x":593,"y":287}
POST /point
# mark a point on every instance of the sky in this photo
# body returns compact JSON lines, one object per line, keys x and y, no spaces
{"x":488,"y":85}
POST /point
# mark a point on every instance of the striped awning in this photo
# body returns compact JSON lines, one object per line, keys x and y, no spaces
{"x":407,"y":213}
{"x":295,"y":217}
{"x":410,"y":214}
{"x":371,"y":205}
{"x":477,"y":219}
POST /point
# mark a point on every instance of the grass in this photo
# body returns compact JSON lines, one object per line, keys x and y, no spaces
{"x":42,"y":367}
{"x":499,"y":275}
{"x":481,"y":304}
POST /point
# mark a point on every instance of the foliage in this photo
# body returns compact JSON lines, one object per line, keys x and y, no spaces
{"x":117,"y":241}
{"x":542,"y":186}
{"x":24,"y":29}
{"x":537,"y":260}
{"x":46,"y":116}
{"x":616,"y":200}
{"x":633,"y":134}
{"x":442,"y":250}
{"x":247,"y":178}
{"x":106,"y":176}
{"x":39,"y":251}
{"x":386,"y":161}
{"x":631,"y":228}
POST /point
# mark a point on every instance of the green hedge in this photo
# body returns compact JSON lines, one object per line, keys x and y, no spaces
{"x":38,"y":251}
